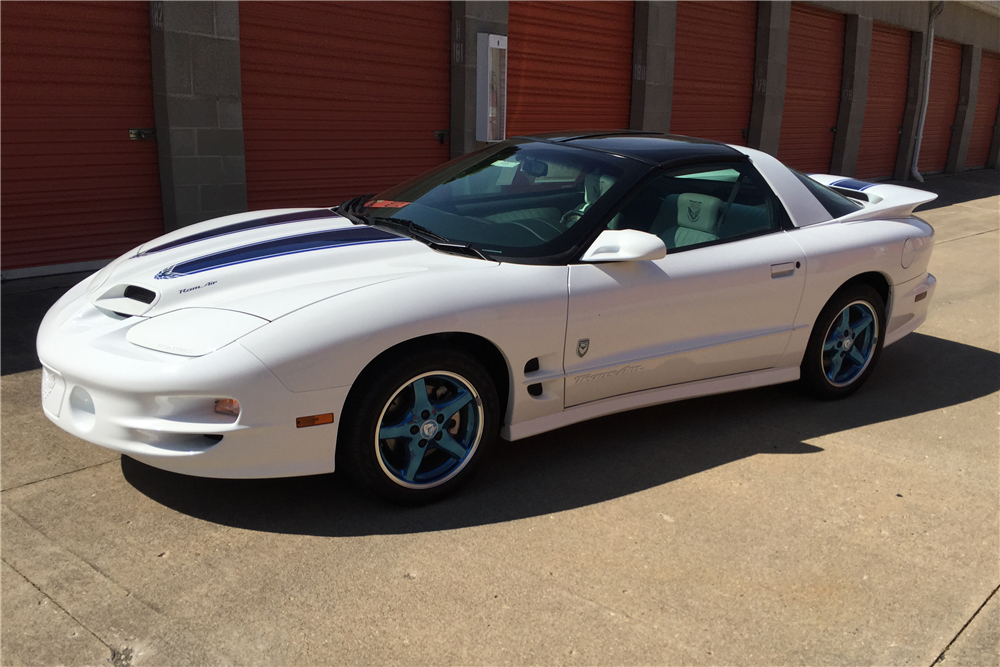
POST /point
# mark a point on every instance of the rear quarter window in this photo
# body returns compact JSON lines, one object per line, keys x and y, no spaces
{"x":836,"y":204}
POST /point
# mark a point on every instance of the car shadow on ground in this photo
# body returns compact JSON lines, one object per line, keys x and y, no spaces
{"x":598,"y":460}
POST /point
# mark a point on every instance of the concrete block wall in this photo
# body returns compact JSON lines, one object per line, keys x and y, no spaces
{"x":198,"y":109}
{"x":853,"y":94}
{"x":770,"y":75}
{"x":653,"y":37}
{"x":967,"y":96}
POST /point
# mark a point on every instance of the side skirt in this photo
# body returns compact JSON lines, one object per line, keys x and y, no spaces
{"x":642,"y":399}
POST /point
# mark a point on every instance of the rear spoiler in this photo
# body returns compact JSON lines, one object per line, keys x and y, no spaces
{"x":880,"y":200}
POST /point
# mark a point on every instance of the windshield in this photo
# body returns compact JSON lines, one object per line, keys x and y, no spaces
{"x":517,"y":199}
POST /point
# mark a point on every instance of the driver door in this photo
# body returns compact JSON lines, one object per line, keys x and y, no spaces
{"x":722,"y":301}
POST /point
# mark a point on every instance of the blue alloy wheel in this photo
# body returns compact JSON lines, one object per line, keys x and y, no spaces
{"x":850,"y":344}
{"x":429,"y":430}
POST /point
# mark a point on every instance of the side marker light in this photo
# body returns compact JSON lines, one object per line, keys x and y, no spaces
{"x":228,"y":406}
{"x":314,"y":420}
{"x":920,"y":297}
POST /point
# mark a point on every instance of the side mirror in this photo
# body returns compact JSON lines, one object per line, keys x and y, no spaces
{"x":625,"y":245}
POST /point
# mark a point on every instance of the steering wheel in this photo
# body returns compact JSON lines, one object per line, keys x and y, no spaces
{"x":569,"y":218}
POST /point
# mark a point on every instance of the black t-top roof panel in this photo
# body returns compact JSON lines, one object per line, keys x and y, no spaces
{"x":646,"y":146}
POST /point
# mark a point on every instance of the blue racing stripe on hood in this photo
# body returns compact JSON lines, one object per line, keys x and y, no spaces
{"x":290,"y":245}
{"x":284,"y":218}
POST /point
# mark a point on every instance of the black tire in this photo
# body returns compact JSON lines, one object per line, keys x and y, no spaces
{"x":842,"y":352}
{"x":424,"y":461}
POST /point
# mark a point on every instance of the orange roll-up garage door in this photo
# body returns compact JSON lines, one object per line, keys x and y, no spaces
{"x":569,"y":66}
{"x":75,"y":188}
{"x":341,"y":99}
{"x":987,"y":101}
{"x":942,"y":103}
{"x":713,"y":70}
{"x":812,"y":94}
{"x":886,"y":104}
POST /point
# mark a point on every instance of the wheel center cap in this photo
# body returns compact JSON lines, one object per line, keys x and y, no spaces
{"x":847,"y":343}
{"x":429,"y":429}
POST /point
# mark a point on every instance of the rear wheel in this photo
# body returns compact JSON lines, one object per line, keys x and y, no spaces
{"x":845,"y":343}
{"x":421,"y":426}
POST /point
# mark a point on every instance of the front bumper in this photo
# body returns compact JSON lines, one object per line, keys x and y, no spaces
{"x":159,"y":408}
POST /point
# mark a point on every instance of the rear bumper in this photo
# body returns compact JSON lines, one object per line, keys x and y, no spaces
{"x":910,"y":303}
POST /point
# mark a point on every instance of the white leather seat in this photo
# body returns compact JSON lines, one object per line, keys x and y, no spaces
{"x":697,"y":221}
{"x":594,"y":187}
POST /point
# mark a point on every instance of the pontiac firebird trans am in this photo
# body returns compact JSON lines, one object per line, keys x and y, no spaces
{"x":535,"y":283}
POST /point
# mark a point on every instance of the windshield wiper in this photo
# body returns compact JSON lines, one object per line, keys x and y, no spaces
{"x":413,"y":227}
{"x":350,"y":207}
{"x":433,"y":240}
{"x":459,"y":249}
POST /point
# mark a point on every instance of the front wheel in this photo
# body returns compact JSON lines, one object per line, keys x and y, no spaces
{"x":420,"y":426}
{"x":845,"y":343}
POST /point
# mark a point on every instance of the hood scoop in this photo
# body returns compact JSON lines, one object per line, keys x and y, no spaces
{"x":125,"y":300}
{"x":146,"y":296}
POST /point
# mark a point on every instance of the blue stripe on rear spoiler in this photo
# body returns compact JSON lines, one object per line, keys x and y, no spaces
{"x":853,"y":184}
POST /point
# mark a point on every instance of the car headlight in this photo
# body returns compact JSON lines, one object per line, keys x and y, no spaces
{"x":193,"y":332}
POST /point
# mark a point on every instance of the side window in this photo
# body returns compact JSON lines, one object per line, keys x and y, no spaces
{"x":835,"y":203}
{"x":695,"y":206}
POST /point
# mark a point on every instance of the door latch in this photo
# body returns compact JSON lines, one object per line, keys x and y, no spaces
{"x":783,"y":270}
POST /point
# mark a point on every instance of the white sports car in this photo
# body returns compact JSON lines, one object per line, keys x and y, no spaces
{"x":536,"y":283}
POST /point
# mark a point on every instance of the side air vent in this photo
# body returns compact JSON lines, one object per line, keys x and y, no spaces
{"x":531,"y":366}
{"x":139,"y":294}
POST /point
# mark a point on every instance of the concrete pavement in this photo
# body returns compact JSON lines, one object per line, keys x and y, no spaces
{"x":759,"y":528}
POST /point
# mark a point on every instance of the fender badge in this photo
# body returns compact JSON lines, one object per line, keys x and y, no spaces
{"x":582,"y":346}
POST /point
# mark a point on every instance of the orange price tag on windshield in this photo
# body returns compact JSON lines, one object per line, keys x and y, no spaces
{"x":386,"y":203}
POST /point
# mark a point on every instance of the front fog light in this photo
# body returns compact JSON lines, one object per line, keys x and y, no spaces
{"x":228,"y":406}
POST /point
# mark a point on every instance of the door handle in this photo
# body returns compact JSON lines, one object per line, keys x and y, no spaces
{"x":784,"y":269}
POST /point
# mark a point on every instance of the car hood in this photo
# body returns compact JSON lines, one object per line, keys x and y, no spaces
{"x":265,"y":263}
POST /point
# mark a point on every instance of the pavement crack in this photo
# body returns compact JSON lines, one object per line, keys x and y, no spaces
{"x":970,"y":236}
{"x":93,"y":566}
{"x":62,"y":608}
{"x":989,"y":597}
{"x":62,"y":474}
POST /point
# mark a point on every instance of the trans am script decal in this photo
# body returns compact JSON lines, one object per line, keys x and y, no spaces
{"x":624,"y":370}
